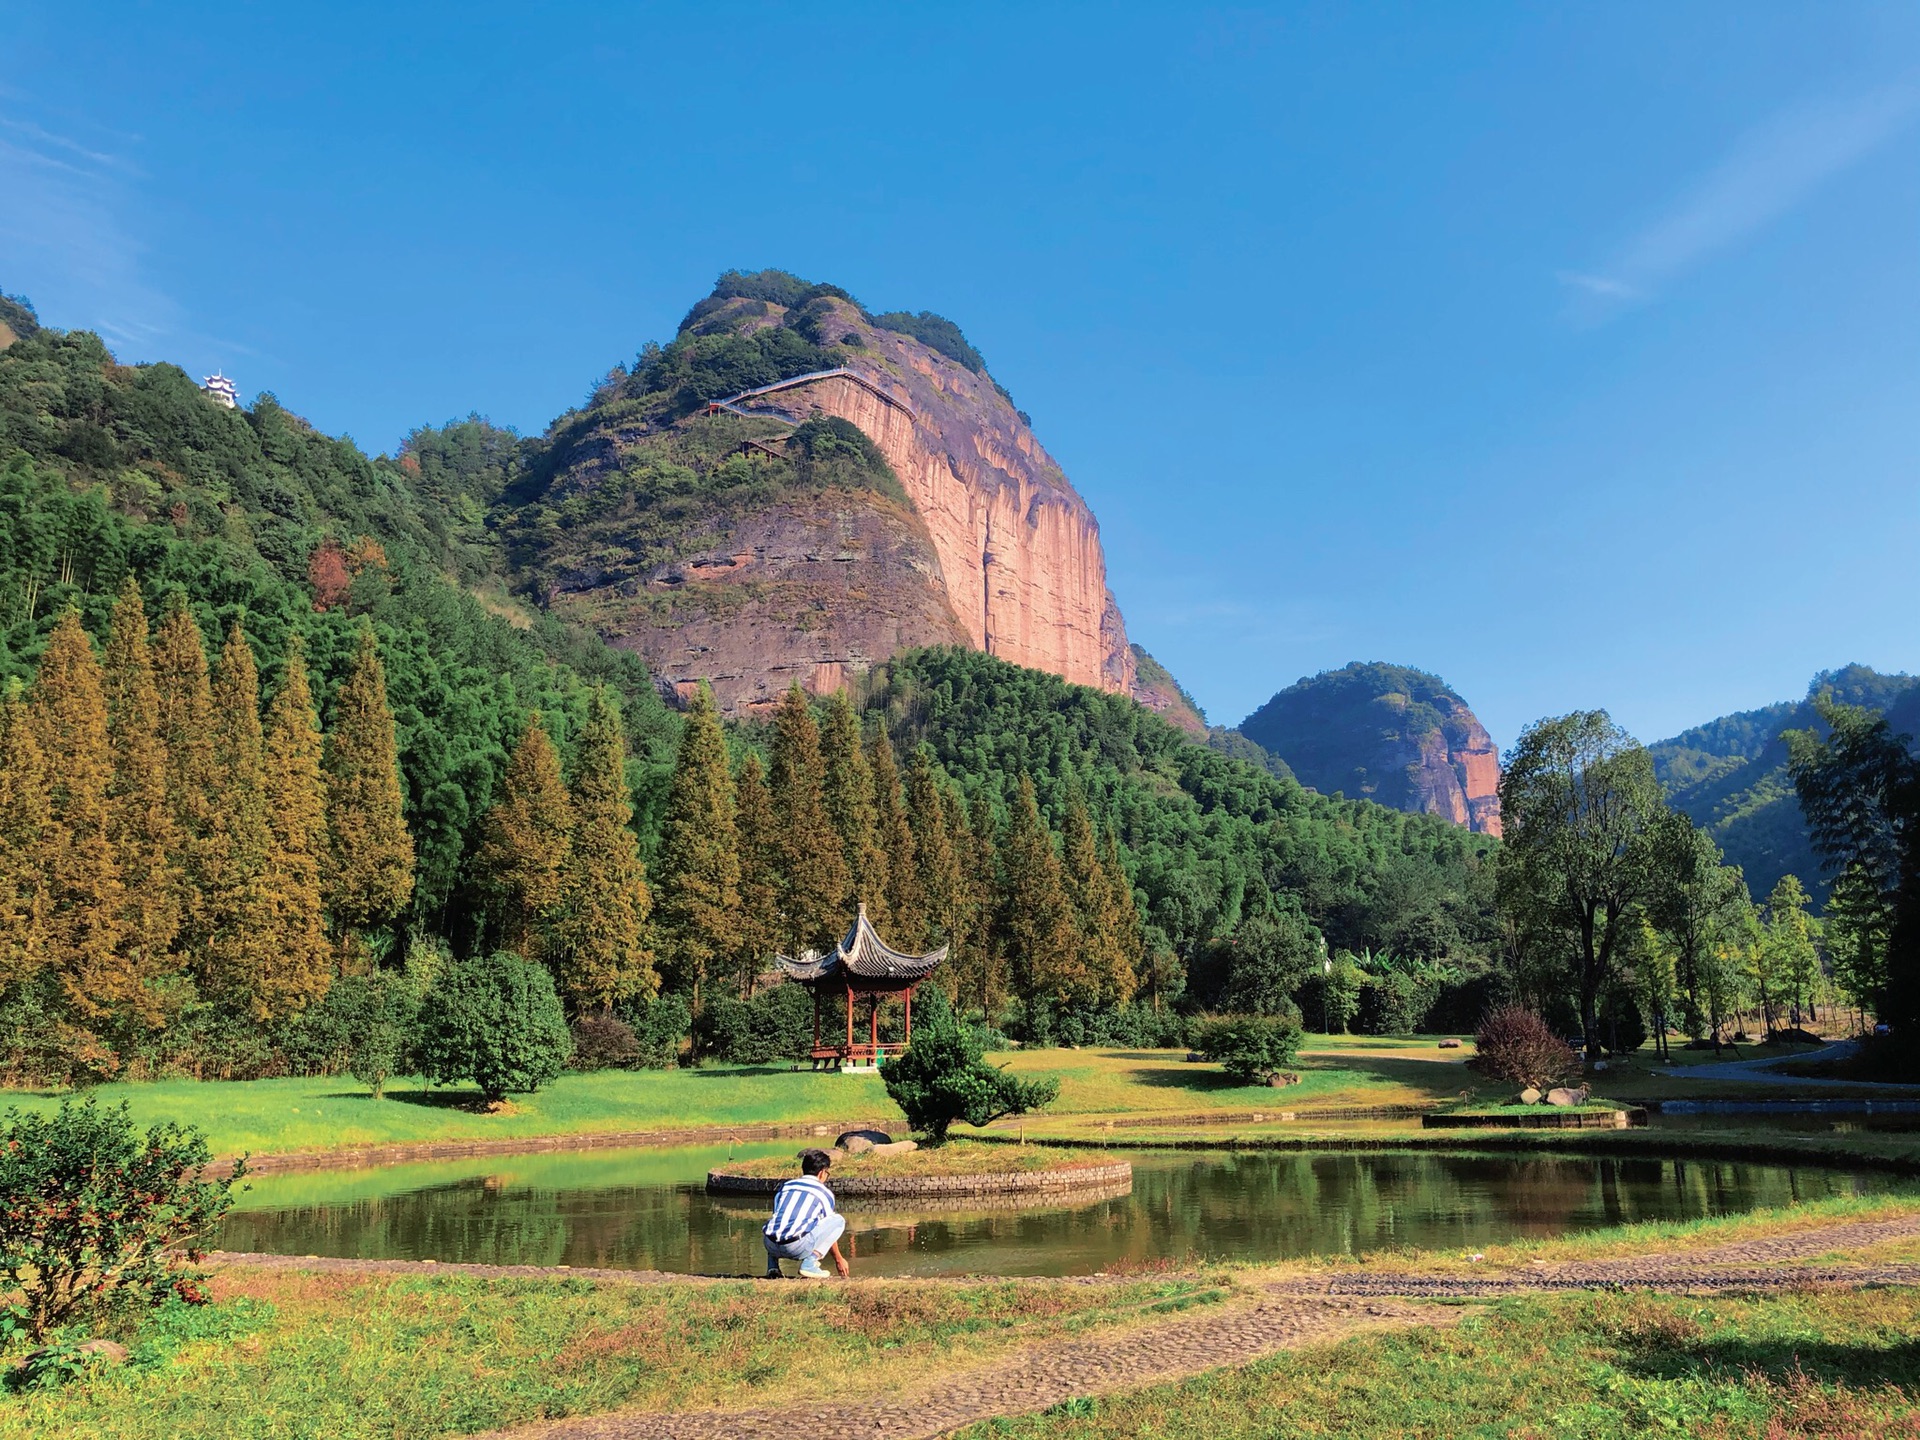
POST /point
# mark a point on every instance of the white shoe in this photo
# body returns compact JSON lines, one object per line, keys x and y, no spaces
{"x":810,"y":1269}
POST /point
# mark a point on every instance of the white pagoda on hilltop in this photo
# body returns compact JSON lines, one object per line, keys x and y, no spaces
{"x":222,"y":391}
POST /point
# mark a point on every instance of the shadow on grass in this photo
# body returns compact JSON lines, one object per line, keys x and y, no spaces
{"x":1205,"y":1079}
{"x":1781,"y":1361}
{"x":468,"y":1101}
{"x":736,"y":1072}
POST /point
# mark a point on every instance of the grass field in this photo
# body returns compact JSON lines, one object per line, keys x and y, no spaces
{"x":287,"y":1356}
{"x":1597,"y":1367}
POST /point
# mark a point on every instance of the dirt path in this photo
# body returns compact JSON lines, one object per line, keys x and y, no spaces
{"x":1271,"y":1317}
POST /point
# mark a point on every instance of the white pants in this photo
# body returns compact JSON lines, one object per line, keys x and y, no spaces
{"x":816,"y":1242}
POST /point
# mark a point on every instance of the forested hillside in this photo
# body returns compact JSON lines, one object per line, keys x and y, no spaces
{"x":258,"y":622}
{"x":1729,"y":776}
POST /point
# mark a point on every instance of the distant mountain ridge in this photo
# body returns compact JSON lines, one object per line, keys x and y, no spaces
{"x":1729,"y":776}
{"x":1387,"y":733}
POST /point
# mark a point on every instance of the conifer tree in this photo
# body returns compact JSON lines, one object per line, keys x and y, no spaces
{"x":698,"y":877}
{"x":1128,"y":933}
{"x":298,"y":970}
{"x":371,"y":878}
{"x":812,"y":867}
{"x":937,"y":867}
{"x":760,"y":924}
{"x":146,"y":839}
{"x":849,"y":800}
{"x":600,"y":942}
{"x":85,"y":899}
{"x":906,"y":903}
{"x":526,"y":844}
{"x":1037,"y":916}
{"x":186,"y":735}
{"x":24,"y":822}
{"x":983,"y":966}
{"x":241,"y":946}
{"x":1087,"y":885}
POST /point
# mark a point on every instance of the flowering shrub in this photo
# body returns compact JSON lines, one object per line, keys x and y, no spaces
{"x":1516,"y":1044}
{"x":93,"y":1213}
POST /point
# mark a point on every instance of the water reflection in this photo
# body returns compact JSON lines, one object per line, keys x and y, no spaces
{"x":645,"y":1209}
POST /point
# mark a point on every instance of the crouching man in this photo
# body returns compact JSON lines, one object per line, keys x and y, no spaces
{"x":805,"y":1225}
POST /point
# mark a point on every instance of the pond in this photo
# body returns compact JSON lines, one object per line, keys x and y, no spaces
{"x":648,"y":1209}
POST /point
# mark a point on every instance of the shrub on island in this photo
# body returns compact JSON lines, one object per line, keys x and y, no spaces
{"x":941,"y":1078}
{"x":1515,"y":1044}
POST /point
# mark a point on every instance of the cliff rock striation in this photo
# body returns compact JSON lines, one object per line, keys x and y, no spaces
{"x":796,"y":489}
{"x":1385,"y":733}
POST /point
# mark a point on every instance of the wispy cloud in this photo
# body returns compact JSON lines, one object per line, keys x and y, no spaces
{"x":1773,"y":168}
{"x":65,"y":240}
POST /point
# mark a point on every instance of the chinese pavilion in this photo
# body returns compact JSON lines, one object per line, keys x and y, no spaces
{"x":860,"y":967}
{"x":222,"y":391}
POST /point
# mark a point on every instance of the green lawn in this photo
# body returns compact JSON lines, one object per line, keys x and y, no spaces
{"x":289,"y":1356}
{"x":1597,"y":1367}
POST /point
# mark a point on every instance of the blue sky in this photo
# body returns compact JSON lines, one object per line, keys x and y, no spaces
{"x":1571,"y":351}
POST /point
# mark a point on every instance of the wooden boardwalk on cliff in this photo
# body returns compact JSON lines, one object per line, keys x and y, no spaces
{"x":733,"y":403}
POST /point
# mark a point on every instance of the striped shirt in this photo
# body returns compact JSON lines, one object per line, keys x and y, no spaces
{"x":798,"y":1208}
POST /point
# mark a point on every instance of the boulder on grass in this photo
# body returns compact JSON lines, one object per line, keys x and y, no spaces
{"x":1529,"y":1096}
{"x":858,"y":1142}
{"x":896,"y":1147}
{"x":1449,"y":1044}
{"x":1285,"y":1077}
{"x":1568,"y":1098}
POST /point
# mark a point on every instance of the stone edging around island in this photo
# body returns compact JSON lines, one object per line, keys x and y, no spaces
{"x":1001,"y":1182}
{"x":409,"y":1152}
{"x":1543,"y":1120}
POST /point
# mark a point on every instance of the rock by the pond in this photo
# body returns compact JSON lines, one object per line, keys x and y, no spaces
{"x":1529,"y":1096}
{"x":1449,"y":1044}
{"x":858,"y":1142}
{"x":896,"y":1147}
{"x":1568,"y":1098}
{"x":1285,"y":1077}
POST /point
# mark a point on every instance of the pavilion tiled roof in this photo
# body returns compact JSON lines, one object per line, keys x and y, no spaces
{"x":864,"y":955}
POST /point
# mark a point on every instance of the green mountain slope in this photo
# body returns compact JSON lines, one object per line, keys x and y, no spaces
{"x":1730,"y":775}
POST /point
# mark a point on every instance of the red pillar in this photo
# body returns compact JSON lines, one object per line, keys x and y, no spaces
{"x":816,"y":1019}
{"x":909,"y":1017}
{"x":873,"y":1026}
{"x":849,"y":1019}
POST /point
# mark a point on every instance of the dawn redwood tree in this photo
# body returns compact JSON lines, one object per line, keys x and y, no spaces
{"x":181,"y":680}
{"x":241,"y":946}
{"x":24,"y":823}
{"x":140,"y":818}
{"x":848,"y":794}
{"x":526,"y":843}
{"x":1792,"y":937}
{"x":758,"y":932}
{"x":67,"y":708}
{"x":1581,"y":806}
{"x":371,"y":877}
{"x":297,"y":971}
{"x":982,"y":963}
{"x":903,"y":909}
{"x":600,"y":950}
{"x":697,"y":875}
{"x":812,"y":865}
{"x":1036,"y":912}
{"x":935,"y":861}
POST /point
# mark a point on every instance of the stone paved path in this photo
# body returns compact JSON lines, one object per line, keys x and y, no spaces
{"x":1280,"y":1316}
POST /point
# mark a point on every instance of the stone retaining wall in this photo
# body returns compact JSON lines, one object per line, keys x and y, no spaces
{"x":401,"y":1154}
{"x":1032,"y":1182}
{"x":1545,"y":1120}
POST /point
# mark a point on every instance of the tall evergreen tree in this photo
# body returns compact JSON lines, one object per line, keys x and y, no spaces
{"x":1036,"y":912}
{"x":848,"y":786}
{"x":600,"y":942}
{"x":241,"y":947}
{"x":84,"y":894}
{"x":24,"y":823}
{"x":1128,"y":931}
{"x":298,"y":970}
{"x":1096,"y":956}
{"x":526,"y":844}
{"x":760,"y":926}
{"x":905,"y":912}
{"x":146,"y":839}
{"x":813,"y":869}
{"x":982,"y":964}
{"x":697,"y":878}
{"x":371,"y":878}
{"x":185,"y":695}
{"x":936,"y":865}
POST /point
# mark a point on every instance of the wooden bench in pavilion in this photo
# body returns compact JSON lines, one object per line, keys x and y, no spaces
{"x":861,"y":967}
